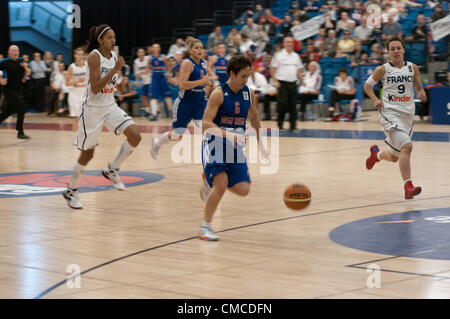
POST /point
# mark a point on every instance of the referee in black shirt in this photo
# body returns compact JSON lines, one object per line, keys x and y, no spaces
{"x":15,"y":69}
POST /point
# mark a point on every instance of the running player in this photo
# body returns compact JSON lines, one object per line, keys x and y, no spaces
{"x":191,"y":101}
{"x":99,"y":108}
{"x":397,"y":110}
{"x":217,"y":64}
{"x":224,"y":138}
{"x":76,"y":81}
{"x":159,"y":89}
{"x":142,"y":74}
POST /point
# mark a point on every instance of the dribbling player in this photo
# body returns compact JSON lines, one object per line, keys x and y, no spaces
{"x":223,"y":157}
{"x":99,"y":108}
{"x":397,"y":109}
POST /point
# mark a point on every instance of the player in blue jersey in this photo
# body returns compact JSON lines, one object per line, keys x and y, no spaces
{"x":224,"y":125}
{"x":159,"y":87}
{"x":217,"y":64}
{"x":191,"y":101}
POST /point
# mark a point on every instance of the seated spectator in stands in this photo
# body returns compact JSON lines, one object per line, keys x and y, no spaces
{"x":178,"y":46}
{"x":356,"y":54}
{"x":331,"y":45}
{"x":255,"y":15}
{"x":126,"y":94}
{"x":346,"y":44}
{"x":286,"y":27}
{"x":419,"y":31}
{"x":215,"y":38}
{"x":343,"y":89}
{"x":233,"y":41}
{"x":246,"y":43}
{"x":250,"y":29}
{"x":310,"y":87}
{"x":268,"y":20}
{"x":390,"y":29}
{"x":311,"y":5}
{"x":362,"y":32}
{"x":311,"y":54}
{"x":261,"y":36}
{"x":345,"y":23}
{"x":328,"y":24}
{"x":389,"y":10}
{"x":357,"y":11}
{"x":376,"y":57}
{"x":321,"y":41}
{"x":364,"y":58}
{"x":330,"y":7}
{"x":345,"y":6}
{"x":300,"y":16}
{"x":439,"y":13}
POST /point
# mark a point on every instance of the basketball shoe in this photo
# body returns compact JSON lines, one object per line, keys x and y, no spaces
{"x":72,"y":198}
{"x":206,"y":233}
{"x":205,"y":189}
{"x":155,"y":148}
{"x":113,"y":175}
{"x":370,"y":162}
{"x":411,"y":190}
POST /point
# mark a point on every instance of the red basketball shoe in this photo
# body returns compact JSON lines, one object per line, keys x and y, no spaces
{"x":411,"y":190}
{"x":370,"y":162}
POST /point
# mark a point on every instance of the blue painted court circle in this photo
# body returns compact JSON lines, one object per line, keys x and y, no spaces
{"x":416,"y":234}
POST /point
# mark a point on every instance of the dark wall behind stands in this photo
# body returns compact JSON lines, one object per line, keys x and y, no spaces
{"x":136,"y":22}
{"x":4,"y":27}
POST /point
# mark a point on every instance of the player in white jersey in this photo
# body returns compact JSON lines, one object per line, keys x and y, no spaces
{"x":76,"y":80}
{"x":142,"y":74}
{"x":397,"y":109}
{"x":99,"y":108}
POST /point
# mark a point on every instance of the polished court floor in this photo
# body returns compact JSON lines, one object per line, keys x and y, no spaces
{"x":359,"y":238}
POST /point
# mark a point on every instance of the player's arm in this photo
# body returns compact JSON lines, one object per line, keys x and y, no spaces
{"x":211,"y":61}
{"x":418,"y":84}
{"x":253,"y":114}
{"x":98,"y":83}
{"x":371,"y":82}
{"x":69,"y":77}
{"x":185,"y":72}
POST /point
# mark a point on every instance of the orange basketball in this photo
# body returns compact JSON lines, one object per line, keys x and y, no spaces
{"x":297,"y":196}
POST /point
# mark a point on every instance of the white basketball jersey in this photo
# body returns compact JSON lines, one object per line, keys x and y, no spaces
{"x":139,"y":68}
{"x":398,"y":90}
{"x":79,"y":73}
{"x":106,"y":95}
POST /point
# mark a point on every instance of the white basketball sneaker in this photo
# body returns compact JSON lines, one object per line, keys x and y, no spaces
{"x":72,"y":198}
{"x":113,"y":175}
{"x":155,"y":148}
{"x":206,"y":233}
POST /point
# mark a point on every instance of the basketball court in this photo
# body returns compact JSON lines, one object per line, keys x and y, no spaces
{"x":359,"y":237}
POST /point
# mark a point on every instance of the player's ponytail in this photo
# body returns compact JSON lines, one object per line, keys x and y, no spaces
{"x":94,"y":34}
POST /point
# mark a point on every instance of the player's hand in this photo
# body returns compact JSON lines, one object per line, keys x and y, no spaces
{"x":206,"y":80}
{"x":378,"y":103}
{"x":422,"y":96}
{"x":264,"y":154}
{"x":119,"y":64}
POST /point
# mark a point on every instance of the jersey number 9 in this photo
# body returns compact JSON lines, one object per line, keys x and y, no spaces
{"x":401,"y":89}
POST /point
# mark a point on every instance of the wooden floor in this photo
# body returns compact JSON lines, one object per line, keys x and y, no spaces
{"x":141,"y":243}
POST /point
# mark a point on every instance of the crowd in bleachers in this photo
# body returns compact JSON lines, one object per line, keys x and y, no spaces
{"x":344,"y":40}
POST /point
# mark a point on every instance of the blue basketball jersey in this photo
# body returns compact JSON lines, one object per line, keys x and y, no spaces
{"x":198,"y":72}
{"x":221,"y":68}
{"x":158,"y":66}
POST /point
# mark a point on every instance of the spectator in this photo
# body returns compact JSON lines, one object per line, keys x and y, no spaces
{"x":356,"y":54}
{"x":310,"y":55}
{"x":343,"y":89}
{"x":346,"y":44}
{"x":388,"y":10}
{"x":331,"y":45}
{"x":285,"y":71}
{"x":311,"y":5}
{"x":58,"y":60}
{"x":178,"y":46}
{"x":357,"y":12}
{"x":328,"y":24}
{"x":362,"y":32}
{"x":300,"y":16}
{"x":50,"y":63}
{"x":419,"y":31}
{"x":250,"y":29}
{"x":233,"y":41}
{"x":261,"y":36}
{"x":286,"y":27}
{"x":259,"y":12}
{"x":57,"y":83}
{"x":246,"y":43}
{"x":269,"y":17}
{"x":269,"y":27}
{"x":439,"y":13}
{"x":310,"y":88}
{"x":345,"y":6}
{"x":401,"y":4}
{"x":126,"y":95}
{"x":390,"y":29}
{"x":28,"y":84}
{"x":215,"y":38}
{"x":376,"y":57}
{"x":255,"y":15}
{"x":258,"y":83}
{"x":345,"y":23}
{"x":321,"y":41}
{"x":38,"y":69}
{"x":330,"y":7}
